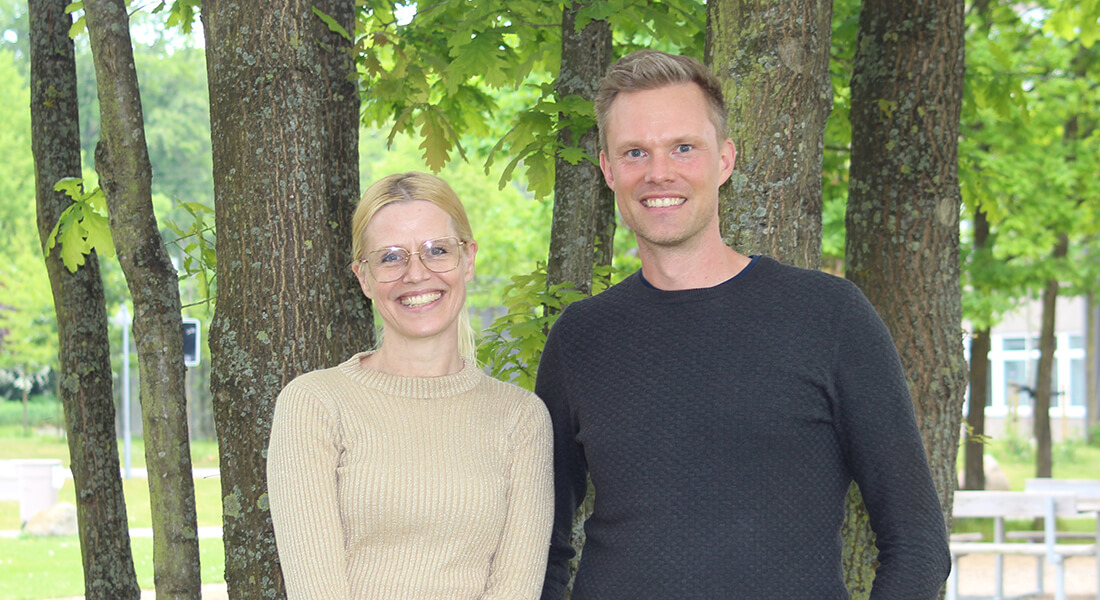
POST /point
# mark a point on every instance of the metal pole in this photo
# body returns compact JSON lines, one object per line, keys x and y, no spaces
{"x":124,"y":318}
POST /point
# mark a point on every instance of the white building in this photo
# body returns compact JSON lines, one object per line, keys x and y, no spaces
{"x":1013,"y":366}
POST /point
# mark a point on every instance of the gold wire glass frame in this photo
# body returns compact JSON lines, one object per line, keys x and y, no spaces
{"x":438,"y":256}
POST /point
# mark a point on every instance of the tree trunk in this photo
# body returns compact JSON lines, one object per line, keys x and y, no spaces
{"x":979,"y":390}
{"x":581,"y":199}
{"x":903,"y":218}
{"x":979,"y":379}
{"x":773,"y":60}
{"x":284,"y":123}
{"x":122,"y":161}
{"x":25,"y":387}
{"x":1044,"y":379}
{"x":582,"y":233}
{"x":84,"y":351}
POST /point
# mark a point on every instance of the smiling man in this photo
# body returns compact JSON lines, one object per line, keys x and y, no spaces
{"x":721,"y":403}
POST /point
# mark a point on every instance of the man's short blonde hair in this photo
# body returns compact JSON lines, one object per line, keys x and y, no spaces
{"x":652,"y":69}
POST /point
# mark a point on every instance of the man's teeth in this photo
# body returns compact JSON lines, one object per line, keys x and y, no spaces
{"x":662,"y":202}
{"x":420,"y":299}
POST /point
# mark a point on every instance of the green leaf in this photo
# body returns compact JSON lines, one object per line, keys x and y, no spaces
{"x":98,"y":234}
{"x":73,"y":247}
{"x":333,"y":26}
{"x":437,"y":143}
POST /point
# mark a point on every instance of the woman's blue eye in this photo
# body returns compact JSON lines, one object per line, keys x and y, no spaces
{"x":438,"y":251}
{"x":390,"y":257}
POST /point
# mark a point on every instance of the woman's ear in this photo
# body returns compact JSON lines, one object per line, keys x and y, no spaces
{"x":471,"y":254}
{"x":363,"y":275}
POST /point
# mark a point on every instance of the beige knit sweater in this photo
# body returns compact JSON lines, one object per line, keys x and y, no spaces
{"x":387,"y":487}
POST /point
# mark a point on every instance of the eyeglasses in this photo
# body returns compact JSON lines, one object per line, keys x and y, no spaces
{"x":390,"y":264}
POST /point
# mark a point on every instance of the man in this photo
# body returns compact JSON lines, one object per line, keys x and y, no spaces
{"x":722,"y":403}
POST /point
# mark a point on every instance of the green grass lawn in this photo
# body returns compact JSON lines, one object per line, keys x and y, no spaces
{"x":40,"y":568}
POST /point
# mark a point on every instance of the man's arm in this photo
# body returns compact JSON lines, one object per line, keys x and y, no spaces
{"x":570,"y":468}
{"x":886,"y":456}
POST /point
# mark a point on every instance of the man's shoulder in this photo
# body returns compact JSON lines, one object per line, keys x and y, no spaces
{"x":609,"y":300}
{"x":798,"y":279}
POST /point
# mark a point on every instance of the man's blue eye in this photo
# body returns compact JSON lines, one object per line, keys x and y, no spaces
{"x":683,"y":148}
{"x":635,"y":153}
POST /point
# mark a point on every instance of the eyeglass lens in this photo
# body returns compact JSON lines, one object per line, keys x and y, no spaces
{"x":438,"y":256}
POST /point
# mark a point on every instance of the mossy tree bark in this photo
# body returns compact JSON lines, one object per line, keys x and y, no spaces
{"x":122,"y":161}
{"x":902,"y":221}
{"x":773,"y":60}
{"x":582,"y":233}
{"x":84,"y":352}
{"x":584,"y":207}
{"x":284,"y":120}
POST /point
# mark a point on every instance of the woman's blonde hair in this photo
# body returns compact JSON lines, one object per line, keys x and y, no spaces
{"x":407,"y":187}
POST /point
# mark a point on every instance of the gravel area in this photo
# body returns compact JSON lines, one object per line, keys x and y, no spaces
{"x":976,"y":577}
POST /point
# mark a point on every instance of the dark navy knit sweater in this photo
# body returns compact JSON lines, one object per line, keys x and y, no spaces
{"x":721,"y":428}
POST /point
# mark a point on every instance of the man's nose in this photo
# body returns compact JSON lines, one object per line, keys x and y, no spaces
{"x":660,"y":168}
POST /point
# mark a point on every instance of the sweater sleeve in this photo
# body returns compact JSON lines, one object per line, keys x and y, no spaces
{"x":519,"y":561}
{"x":302,"y":457}
{"x":570,"y":467}
{"x":886,"y":456}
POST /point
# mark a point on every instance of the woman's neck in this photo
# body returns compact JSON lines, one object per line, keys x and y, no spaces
{"x":415,"y":360}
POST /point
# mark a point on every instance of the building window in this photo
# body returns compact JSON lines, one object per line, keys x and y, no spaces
{"x":1077,"y":381}
{"x":1016,"y":386}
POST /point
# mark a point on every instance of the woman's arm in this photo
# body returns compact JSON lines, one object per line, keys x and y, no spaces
{"x":519,"y":563}
{"x":302,"y":457}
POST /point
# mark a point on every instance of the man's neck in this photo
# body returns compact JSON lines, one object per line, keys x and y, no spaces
{"x":690,"y":268}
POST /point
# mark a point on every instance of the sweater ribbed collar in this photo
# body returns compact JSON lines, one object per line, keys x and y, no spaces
{"x":757,"y":265}
{"x":412,"y":387}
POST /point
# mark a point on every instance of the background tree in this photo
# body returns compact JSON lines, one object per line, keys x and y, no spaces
{"x":1029,"y":110}
{"x":583,"y":204}
{"x":284,"y":121}
{"x":903,"y":218}
{"x":85,"y":387}
{"x":980,"y":344}
{"x":122,"y":161}
{"x":773,"y":60}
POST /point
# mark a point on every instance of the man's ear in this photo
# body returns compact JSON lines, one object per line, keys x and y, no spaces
{"x":605,"y":166}
{"x":728,"y":159}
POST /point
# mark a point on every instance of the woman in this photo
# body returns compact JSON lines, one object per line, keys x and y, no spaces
{"x":405,"y":472}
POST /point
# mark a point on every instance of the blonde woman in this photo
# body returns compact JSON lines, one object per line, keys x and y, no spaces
{"x":406,"y":472}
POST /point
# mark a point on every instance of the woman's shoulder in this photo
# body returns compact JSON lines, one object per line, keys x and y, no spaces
{"x":523,"y":403}
{"x":318,"y":385}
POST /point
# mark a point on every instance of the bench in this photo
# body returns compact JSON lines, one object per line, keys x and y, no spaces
{"x":1018,"y":505}
{"x":1088,"y":501}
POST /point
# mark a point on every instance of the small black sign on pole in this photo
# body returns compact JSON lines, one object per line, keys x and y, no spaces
{"x":191,"y":351}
